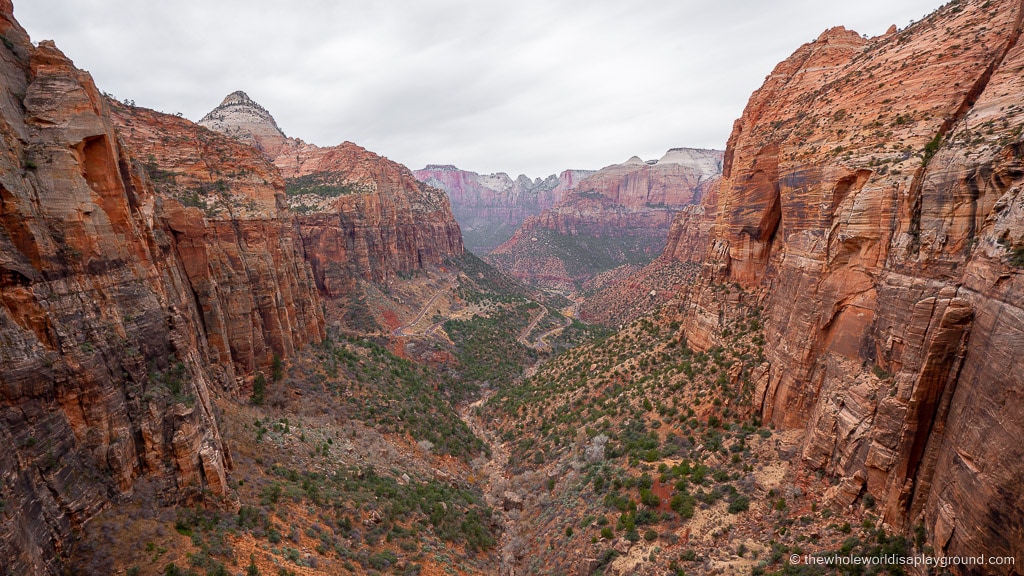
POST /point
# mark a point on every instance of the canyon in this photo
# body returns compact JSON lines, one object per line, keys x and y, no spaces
{"x":221,"y":345}
{"x":149,"y":267}
{"x":617,"y":216}
{"x":491,"y":207}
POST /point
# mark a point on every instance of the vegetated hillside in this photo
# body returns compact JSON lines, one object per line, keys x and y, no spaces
{"x":155,"y":286}
{"x":621,"y":295}
{"x":351,"y":459}
{"x":618,"y":215}
{"x":869,"y":207}
{"x":639,"y":455}
{"x":870,"y":197}
{"x":511,"y":329}
{"x":849,"y":346}
{"x":490,"y":207}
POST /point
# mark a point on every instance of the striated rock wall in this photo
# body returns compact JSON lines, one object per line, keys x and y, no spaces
{"x":619,"y":215}
{"x":359,"y":214}
{"x":489,"y":208}
{"x":238,"y":245}
{"x":103,"y":375}
{"x":690,"y":230}
{"x":871,"y":200}
{"x":674,"y":180}
{"x":385,"y":223}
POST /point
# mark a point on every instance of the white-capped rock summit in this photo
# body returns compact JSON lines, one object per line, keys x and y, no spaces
{"x":241,"y":117}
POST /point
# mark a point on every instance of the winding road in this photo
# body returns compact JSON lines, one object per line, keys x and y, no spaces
{"x":403,"y":330}
{"x":540,"y":343}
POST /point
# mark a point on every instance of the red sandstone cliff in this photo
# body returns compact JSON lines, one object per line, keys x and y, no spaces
{"x":618,"y":215}
{"x":490,"y":207}
{"x":359,"y":214}
{"x":871,"y":200}
{"x":240,"y":248}
{"x":103,"y":376}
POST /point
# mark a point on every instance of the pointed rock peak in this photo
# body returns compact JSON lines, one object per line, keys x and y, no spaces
{"x":633,"y":160}
{"x":240,"y":117}
{"x":238,"y":106}
{"x":701,"y":160}
{"x":839,"y":35}
{"x":238,"y":97}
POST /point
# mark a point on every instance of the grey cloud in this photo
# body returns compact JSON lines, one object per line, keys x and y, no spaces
{"x":533,"y":86}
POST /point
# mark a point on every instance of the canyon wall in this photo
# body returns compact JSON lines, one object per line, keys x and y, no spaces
{"x":490,"y":207}
{"x":103,"y":362}
{"x":359,"y":214}
{"x":619,"y":215}
{"x":223,"y":205}
{"x":871,"y":200}
{"x":148,"y":265}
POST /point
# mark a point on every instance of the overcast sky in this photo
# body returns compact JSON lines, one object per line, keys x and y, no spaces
{"x":531,"y":86}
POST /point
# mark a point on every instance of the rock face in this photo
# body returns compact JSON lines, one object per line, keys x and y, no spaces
{"x":103,"y":354}
{"x":359,"y":215}
{"x":148,"y":264}
{"x":618,"y":215}
{"x":382,"y":223}
{"x":240,"y":248}
{"x":242,"y":118}
{"x":490,"y":207}
{"x":871,"y":200}
{"x":691,"y":228}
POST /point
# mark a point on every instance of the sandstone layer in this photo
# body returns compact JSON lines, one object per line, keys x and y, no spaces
{"x":240,"y":248}
{"x":871,"y":200}
{"x":103,"y":376}
{"x":619,"y":215}
{"x":490,"y":207}
{"x":360,"y":215}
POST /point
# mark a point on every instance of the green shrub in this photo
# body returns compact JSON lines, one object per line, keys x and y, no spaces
{"x":931,"y":148}
{"x":649,"y":498}
{"x":382,"y":560}
{"x":276,"y":369}
{"x":739,"y":504}
{"x":259,"y":389}
{"x":682,"y":504}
